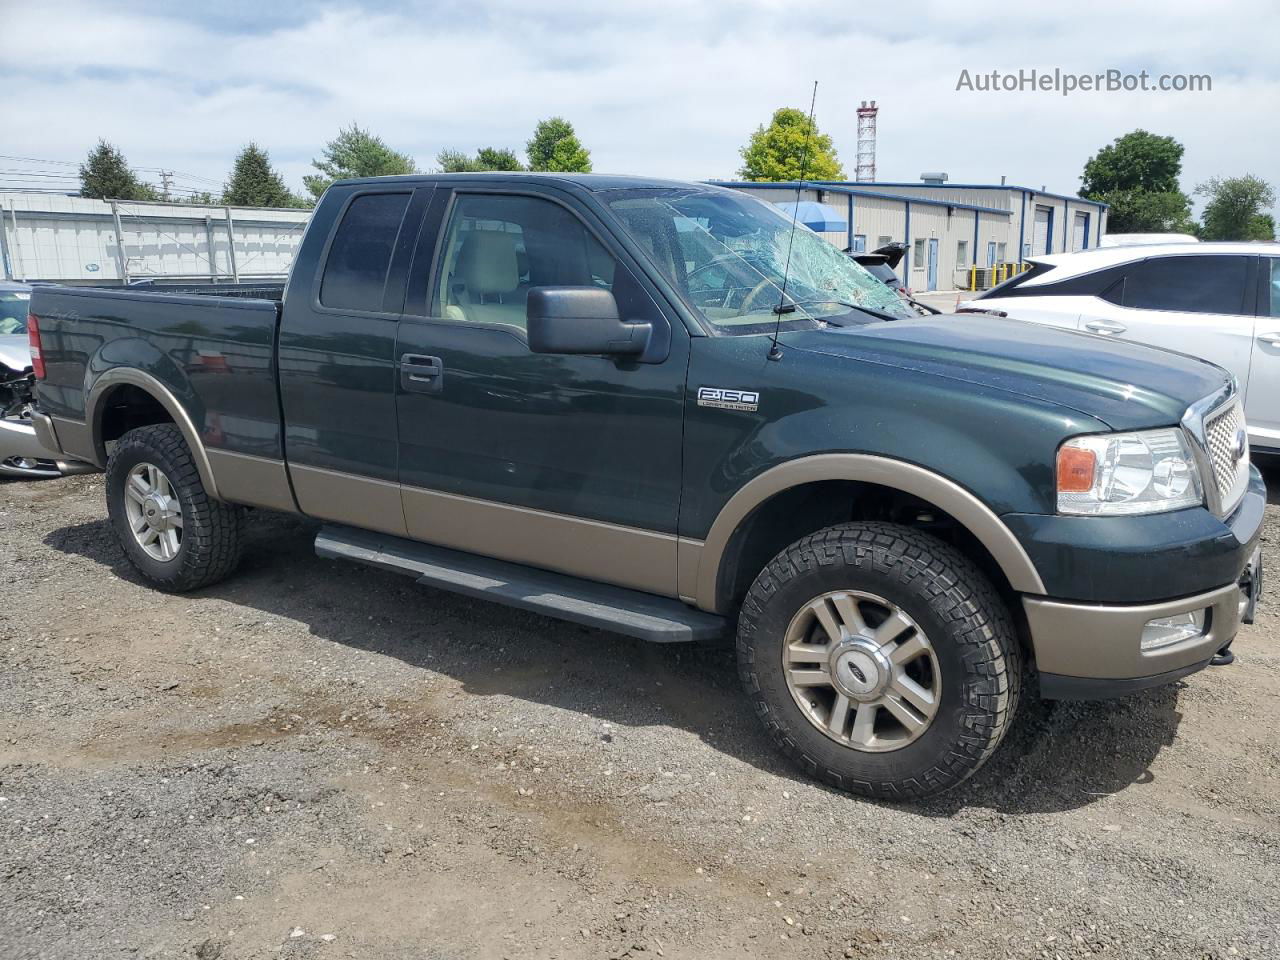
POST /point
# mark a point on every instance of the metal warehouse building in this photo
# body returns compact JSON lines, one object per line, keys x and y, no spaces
{"x":75,"y":240}
{"x":950,"y":229}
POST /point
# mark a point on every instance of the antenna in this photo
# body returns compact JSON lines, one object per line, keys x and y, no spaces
{"x":783,"y":306}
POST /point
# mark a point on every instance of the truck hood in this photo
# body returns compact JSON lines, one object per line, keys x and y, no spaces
{"x":1127,"y":386}
{"x":15,"y":352}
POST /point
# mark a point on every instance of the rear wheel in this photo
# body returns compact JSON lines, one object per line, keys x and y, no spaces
{"x":175,"y":535}
{"x":880,"y":659}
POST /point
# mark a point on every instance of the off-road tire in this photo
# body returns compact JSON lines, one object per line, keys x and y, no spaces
{"x":949,"y":598}
{"x":210,"y":547}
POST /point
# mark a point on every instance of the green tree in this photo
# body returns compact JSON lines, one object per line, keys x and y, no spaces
{"x":555,"y":147}
{"x":1137,"y":175}
{"x":486,"y":158}
{"x":254,"y":183}
{"x":1236,"y":208}
{"x":455,"y":161}
{"x":778,"y":152}
{"x":356,"y":153}
{"x":499,"y":158}
{"x":1142,"y":211}
{"x":105,"y":175}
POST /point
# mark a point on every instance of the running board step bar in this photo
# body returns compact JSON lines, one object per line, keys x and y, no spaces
{"x":636,"y":614}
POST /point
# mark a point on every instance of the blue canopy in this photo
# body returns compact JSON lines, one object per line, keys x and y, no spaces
{"x":818,"y":217}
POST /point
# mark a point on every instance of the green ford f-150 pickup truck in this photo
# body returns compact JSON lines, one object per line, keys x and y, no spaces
{"x":651,"y":407}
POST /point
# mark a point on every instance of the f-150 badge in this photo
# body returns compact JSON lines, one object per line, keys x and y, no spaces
{"x":748,"y":400}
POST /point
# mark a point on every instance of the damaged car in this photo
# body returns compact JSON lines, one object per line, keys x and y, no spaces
{"x":21,"y":452}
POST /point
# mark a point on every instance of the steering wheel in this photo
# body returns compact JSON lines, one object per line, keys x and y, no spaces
{"x":717,"y":260}
{"x":750,"y":299}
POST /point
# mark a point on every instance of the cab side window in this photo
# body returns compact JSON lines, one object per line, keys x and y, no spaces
{"x":1186,"y":284}
{"x":497,"y":248}
{"x":355,"y":272}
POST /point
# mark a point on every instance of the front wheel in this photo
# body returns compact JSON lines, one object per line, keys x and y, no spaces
{"x":175,"y":535}
{"x":880,"y":659}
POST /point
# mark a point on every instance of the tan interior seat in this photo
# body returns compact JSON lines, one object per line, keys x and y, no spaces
{"x":486,"y":285}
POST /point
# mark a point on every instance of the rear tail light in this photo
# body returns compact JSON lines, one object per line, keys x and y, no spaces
{"x":33,"y":337}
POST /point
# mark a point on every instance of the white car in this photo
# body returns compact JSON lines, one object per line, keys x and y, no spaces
{"x":1216,"y":301}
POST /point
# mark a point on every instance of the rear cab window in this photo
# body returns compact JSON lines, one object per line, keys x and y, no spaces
{"x":355,"y":270}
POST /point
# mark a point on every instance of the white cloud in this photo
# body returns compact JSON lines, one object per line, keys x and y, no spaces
{"x":660,"y":87}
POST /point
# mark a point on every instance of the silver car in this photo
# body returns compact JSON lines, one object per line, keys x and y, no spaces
{"x":21,"y":454}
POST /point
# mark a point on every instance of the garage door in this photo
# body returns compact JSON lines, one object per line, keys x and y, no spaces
{"x":1080,"y":232}
{"x":1043,"y":231}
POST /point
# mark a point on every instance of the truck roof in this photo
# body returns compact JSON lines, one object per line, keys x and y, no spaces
{"x":588,"y":181}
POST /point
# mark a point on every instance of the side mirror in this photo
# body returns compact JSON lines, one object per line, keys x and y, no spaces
{"x":581,"y":320}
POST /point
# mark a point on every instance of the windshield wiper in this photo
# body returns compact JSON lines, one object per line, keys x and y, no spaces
{"x":872,"y":311}
{"x":878,"y":314}
{"x":923,"y":306}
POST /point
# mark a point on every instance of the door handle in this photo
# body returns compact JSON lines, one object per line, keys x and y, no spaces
{"x":1270,"y":339}
{"x":1105,"y":326}
{"x":421,"y":374}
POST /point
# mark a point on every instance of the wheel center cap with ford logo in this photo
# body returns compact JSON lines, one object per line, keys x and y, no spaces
{"x":860,"y":669}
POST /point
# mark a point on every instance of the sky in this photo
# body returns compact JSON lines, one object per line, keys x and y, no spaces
{"x":669,"y":88}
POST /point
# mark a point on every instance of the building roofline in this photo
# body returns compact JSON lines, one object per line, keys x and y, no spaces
{"x":979,"y":186}
{"x":841,"y":188}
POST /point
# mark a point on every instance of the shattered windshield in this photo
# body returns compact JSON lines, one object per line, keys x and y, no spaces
{"x":726,"y":253}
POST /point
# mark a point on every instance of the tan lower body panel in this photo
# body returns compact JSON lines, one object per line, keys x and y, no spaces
{"x":638,"y":559}
{"x":688,"y":555}
{"x":1103,"y":641}
{"x":345,"y":498}
{"x":254,"y":481}
{"x":75,"y":439}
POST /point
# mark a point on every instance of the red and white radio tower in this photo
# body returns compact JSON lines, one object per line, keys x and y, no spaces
{"x":867,"y":142}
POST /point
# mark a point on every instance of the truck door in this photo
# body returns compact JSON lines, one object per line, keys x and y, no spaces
{"x":566,"y":462}
{"x":337,"y":355}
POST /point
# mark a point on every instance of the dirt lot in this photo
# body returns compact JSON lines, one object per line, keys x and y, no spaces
{"x":321,"y":760}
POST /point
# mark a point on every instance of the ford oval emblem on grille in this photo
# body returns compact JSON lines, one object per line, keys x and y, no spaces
{"x":1239,"y":445}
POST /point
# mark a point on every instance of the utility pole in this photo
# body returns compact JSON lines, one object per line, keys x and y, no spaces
{"x":166,"y":184}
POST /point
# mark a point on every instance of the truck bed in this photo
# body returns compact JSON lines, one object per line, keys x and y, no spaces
{"x":212,"y":350}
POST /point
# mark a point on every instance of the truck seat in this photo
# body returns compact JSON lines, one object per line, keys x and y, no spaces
{"x":486,"y":287}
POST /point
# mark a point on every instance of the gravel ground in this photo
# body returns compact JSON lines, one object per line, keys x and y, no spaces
{"x":320,"y":760}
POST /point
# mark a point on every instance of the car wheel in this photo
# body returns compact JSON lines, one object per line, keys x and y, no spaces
{"x":175,"y":535}
{"x":880,"y":659}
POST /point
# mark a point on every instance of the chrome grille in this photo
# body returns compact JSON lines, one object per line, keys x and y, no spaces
{"x":1230,"y":464}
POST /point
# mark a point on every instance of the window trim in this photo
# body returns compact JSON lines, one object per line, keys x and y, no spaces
{"x":411,"y":191}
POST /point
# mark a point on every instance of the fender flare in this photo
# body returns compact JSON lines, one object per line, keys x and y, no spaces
{"x":979,"y":519}
{"x":118,"y":376}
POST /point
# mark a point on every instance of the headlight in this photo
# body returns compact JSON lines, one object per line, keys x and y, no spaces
{"x":1127,"y":473}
